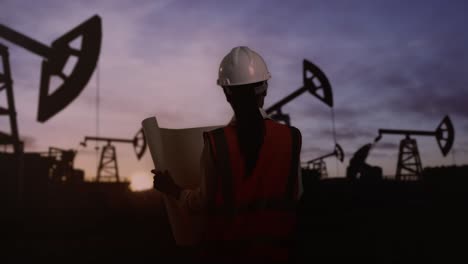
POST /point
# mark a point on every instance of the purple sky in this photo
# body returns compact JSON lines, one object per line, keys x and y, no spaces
{"x":392,"y":64}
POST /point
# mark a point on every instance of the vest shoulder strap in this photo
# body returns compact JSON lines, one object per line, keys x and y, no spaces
{"x":296,"y":143}
{"x":220,"y":151}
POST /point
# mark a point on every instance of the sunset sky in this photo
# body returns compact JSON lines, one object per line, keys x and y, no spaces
{"x":392,"y":64}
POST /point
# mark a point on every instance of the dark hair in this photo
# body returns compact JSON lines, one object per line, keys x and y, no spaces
{"x":249,"y":122}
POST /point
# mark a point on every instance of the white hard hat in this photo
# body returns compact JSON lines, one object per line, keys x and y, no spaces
{"x":242,"y":66}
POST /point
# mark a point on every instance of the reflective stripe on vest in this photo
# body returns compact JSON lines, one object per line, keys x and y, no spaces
{"x":251,"y":208}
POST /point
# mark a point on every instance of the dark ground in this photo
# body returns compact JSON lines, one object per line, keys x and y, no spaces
{"x":89,"y":223}
{"x":385,"y":221}
{"x":340,"y":221}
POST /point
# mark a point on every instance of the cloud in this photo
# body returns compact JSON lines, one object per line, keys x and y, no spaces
{"x":315,"y":151}
{"x":387,"y":146}
{"x":28,"y":141}
{"x":349,"y":133}
{"x":390,"y":65}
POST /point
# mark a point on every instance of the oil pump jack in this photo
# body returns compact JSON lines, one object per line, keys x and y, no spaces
{"x":55,"y":58}
{"x":315,"y":81}
{"x":15,"y":167}
{"x":409,"y":165}
{"x":319,"y":165}
{"x":108,"y":168}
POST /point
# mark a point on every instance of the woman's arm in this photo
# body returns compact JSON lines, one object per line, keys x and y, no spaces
{"x":197,"y":200}
{"x":191,"y":199}
{"x":163,"y":182}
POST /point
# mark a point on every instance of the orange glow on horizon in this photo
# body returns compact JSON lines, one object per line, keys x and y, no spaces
{"x":140,"y":181}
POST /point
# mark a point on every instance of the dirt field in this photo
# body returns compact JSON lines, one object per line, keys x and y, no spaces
{"x":378,"y":222}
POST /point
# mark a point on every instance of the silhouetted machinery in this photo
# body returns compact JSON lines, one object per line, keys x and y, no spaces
{"x":6,"y":84}
{"x":319,"y":165}
{"x":359,"y":169}
{"x":409,"y":165}
{"x":315,"y":81}
{"x":55,"y":59}
{"x":29,"y":172}
{"x":62,"y":169}
{"x":108,"y":169}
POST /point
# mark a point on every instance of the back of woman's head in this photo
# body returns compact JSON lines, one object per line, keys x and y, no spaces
{"x":249,"y":121}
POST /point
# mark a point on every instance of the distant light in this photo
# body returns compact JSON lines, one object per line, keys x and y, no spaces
{"x":141,"y":181}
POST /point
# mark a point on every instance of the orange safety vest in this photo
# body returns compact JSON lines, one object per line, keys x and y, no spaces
{"x":253,"y":217}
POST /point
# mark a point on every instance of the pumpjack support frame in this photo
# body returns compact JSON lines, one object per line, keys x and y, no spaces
{"x":409,"y":165}
{"x":108,"y":168}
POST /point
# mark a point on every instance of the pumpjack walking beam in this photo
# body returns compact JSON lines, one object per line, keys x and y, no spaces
{"x":315,"y":81}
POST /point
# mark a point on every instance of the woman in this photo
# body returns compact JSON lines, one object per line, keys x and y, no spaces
{"x":250,"y":181}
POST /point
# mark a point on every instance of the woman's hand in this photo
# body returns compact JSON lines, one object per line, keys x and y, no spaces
{"x":163,"y":182}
